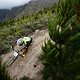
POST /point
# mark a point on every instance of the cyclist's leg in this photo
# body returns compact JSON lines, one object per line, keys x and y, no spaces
{"x":26,"y":47}
{"x":25,"y":51}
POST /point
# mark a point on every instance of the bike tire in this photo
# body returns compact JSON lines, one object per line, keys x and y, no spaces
{"x":10,"y":61}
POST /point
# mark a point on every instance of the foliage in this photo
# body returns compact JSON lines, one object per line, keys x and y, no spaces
{"x":4,"y":75}
{"x":61,"y":54}
{"x":12,"y":29}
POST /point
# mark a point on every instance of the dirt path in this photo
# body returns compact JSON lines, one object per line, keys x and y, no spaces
{"x":29,"y":65}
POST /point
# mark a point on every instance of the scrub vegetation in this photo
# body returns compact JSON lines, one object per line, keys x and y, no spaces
{"x":61,"y":54}
{"x":11,"y":29}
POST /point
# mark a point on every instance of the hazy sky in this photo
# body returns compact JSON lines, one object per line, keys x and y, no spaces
{"x":7,"y":4}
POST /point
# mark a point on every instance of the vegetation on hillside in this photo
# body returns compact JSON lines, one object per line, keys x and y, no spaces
{"x":4,"y":75}
{"x":61,"y":54}
{"x":11,"y":29}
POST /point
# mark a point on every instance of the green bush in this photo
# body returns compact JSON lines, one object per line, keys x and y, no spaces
{"x":61,"y":54}
{"x":4,"y":75}
{"x":4,"y":47}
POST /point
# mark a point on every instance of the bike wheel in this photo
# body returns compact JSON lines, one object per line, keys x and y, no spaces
{"x":10,"y":61}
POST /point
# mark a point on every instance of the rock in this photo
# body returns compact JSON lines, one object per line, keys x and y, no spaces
{"x":36,"y":31}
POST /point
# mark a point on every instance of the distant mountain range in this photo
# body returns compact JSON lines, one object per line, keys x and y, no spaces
{"x":30,"y":8}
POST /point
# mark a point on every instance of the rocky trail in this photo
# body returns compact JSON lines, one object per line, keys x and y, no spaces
{"x":29,"y":65}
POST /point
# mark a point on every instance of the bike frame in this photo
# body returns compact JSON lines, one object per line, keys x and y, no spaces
{"x":12,"y":59}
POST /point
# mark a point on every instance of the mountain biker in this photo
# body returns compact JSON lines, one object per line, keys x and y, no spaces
{"x":26,"y":41}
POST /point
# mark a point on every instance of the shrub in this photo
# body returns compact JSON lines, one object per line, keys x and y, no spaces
{"x":62,"y":60}
{"x":4,"y":75}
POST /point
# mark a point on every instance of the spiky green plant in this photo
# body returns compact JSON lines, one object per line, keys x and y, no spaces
{"x":61,"y":54}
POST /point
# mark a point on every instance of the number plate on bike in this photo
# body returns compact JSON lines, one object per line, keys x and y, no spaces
{"x":15,"y":54}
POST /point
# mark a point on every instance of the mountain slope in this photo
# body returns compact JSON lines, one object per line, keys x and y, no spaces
{"x":30,"y":8}
{"x":3,"y":13}
{"x":35,"y":6}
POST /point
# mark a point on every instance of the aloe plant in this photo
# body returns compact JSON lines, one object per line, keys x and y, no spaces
{"x":61,"y":54}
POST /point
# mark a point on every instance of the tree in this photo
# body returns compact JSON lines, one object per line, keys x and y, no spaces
{"x":61,"y":54}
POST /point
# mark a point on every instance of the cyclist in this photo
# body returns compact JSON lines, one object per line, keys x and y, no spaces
{"x":26,"y":41}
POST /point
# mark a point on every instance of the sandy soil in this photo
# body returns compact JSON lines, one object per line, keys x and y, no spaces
{"x":29,"y":65}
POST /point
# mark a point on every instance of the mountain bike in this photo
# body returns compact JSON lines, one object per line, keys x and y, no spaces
{"x":15,"y":55}
{"x":12,"y":58}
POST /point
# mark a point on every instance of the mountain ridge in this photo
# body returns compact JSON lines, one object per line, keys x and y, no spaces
{"x":34,"y":6}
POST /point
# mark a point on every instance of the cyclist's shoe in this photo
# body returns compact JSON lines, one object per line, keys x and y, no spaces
{"x":23,"y":55}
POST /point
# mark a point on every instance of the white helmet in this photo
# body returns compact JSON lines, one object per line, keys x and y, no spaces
{"x":20,"y":41}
